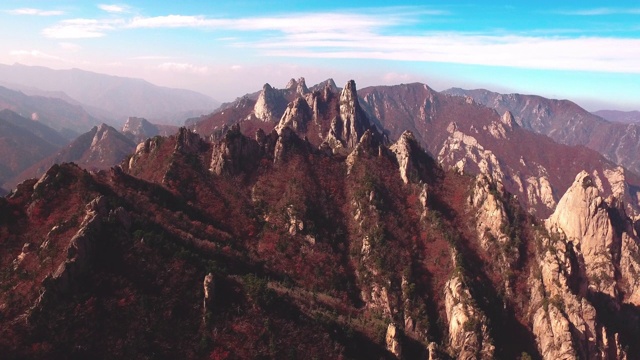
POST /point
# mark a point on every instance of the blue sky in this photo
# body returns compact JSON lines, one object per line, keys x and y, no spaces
{"x":585,"y":51}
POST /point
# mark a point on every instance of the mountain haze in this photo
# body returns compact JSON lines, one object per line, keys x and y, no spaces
{"x":70,"y":120}
{"x":100,"y":148}
{"x":19,"y":147}
{"x":116,"y":97}
{"x":627,"y":117}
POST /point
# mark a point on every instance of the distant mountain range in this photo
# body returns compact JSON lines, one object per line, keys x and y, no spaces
{"x":627,"y":117}
{"x":98,"y":149}
{"x":20,"y":145}
{"x":566,"y":123}
{"x":68,"y":119}
{"x":107,"y":97}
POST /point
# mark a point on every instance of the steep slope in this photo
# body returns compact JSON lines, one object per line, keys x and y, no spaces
{"x":566,"y":123}
{"x":626,"y":117}
{"x":299,"y":254}
{"x":269,"y":246}
{"x":121,"y":97}
{"x":100,"y":148}
{"x":469,"y":137}
{"x":19,"y":148}
{"x":70,"y":120}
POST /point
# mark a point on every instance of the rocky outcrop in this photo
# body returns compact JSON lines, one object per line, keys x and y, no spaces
{"x":188,"y":141}
{"x":296,"y":116}
{"x":491,"y":216}
{"x":270,"y":104}
{"x":139,"y":128}
{"x":298,"y":86}
{"x":582,"y":217}
{"x":465,"y":154}
{"x":235,"y":153}
{"x":81,"y":251}
{"x":468,"y":332}
{"x":564,"y":323}
{"x":143,"y":148}
{"x":392,"y":340}
{"x":287,"y":142}
{"x":587,"y":266}
{"x":368,"y":146}
{"x":354,"y":121}
{"x":403,"y":150}
{"x":208,"y":286}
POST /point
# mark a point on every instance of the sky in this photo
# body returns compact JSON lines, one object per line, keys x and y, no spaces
{"x":586,"y":51}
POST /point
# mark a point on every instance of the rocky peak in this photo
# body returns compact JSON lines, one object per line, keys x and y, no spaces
{"x":188,"y":141}
{"x":137,"y":126}
{"x":286,"y":138}
{"x":507,"y":119}
{"x":266,"y":107}
{"x":296,"y":116}
{"x":403,"y":149}
{"x":299,"y":86}
{"x":599,"y":232}
{"x":234,"y":153}
{"x":101,"y":133}
{"x":354,"y":121}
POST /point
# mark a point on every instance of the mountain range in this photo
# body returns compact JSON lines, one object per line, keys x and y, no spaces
{"x":631,"y":117}
{"x":386,"y":222}
{"x":109,"y":98}
{"x":566,"y":123}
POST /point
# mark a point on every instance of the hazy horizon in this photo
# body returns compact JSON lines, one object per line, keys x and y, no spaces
{"x":587,"y":53}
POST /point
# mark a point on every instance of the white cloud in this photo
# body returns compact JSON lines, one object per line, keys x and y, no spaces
{"x":183,"y":68}
{"x":152,"y":57}
{"x":80,"y":28}
{"x":601,"y":11}
{"x":113,"y":8}
{"x":34,"y":54}
{"x":37,"y":12}
{"x":369,"y":35}
{"x":71,"y":47}
{"x":590,"y":53}
{"x":292,"y":23}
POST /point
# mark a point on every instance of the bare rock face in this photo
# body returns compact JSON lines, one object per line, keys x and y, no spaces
{"x":368,"y":146}
{"x":354,"y":121}
{"x":582,"y":216}
{"x":491,"y":214}
{"x":235,"y":153}
{"x":209,"y":288}
{"x":299,"y":86}
{"x":287,"y":141}
{"x":296,"y":116}
{"x":139,"y":128}
{"x":590,"y":256}
{"x":564,"y":324}
{"x":468,"y":333}
{"x":187,"y":141}
{"x":269,"y":104}
{"x":465,"y":153}
{"x":402,"y":149}
{"x":392,"y":340}
{"x":488,"y":200}
{"x":143,"y":148}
